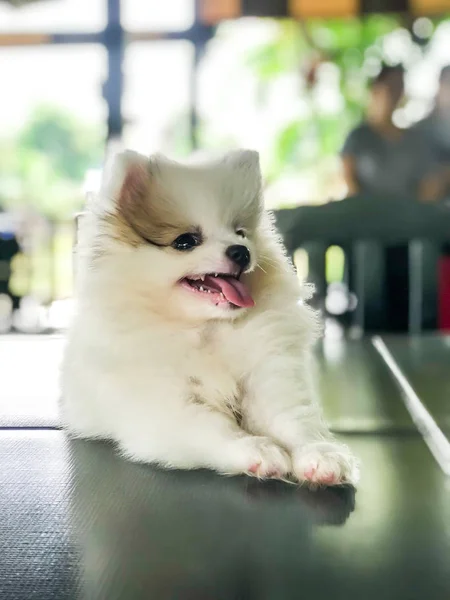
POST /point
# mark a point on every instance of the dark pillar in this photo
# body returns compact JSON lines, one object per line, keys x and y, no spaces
{"x":113,"y":87}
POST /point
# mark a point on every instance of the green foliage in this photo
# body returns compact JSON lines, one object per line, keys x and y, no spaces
{"x":286,"y":148}
{"x":44,"y":166}
{"x":71,"y":146}
{"x":281,"y":54}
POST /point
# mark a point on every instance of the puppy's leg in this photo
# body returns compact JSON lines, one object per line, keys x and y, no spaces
{"x":188,"y":436}
{"x":281,"y":403}
{"x":80,"y":419}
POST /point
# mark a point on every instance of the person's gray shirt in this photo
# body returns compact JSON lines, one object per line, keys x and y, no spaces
{"x":388,"y":167}
{"x":436,"y":131}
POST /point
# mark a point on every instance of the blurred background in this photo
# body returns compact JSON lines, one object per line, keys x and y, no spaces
{"x":324,"y":89}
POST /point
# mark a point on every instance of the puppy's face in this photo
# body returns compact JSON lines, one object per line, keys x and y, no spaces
{"x":183,"y":237}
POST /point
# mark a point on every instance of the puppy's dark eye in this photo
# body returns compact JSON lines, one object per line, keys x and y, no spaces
{"x":241,"y":233}
{"x":186,"y":241}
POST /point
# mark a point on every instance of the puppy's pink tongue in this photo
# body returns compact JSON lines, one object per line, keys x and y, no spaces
{"x":234,"y":291}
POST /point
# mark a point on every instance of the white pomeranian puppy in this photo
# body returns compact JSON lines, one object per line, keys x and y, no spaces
{"x":192,"y":344}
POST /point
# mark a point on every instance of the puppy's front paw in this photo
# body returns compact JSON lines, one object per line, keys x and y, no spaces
{"x":262,"y":458}
{"x":325,"y":463}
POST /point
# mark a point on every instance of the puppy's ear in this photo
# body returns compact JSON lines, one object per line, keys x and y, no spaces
{"x":126,"y":180}
{"x":140,"y":202}
{"x":246,"y":170}
{"x":244,"y":186}
{"x":246,"y":167}
{"x":243,"y":158}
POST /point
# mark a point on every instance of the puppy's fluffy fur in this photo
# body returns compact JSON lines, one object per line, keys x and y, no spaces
{"x":186,"y":377}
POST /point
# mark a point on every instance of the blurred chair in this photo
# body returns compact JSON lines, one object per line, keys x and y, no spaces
{"x":369,"y":225}
{"x":9,"y":248}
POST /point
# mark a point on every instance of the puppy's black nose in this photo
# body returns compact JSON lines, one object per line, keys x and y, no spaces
{"x":240,"y":255}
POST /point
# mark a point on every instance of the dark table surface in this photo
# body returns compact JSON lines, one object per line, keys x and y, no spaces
{"x":359,"y":394}
{"x":425,"y":361}
{"x":78,"y":522}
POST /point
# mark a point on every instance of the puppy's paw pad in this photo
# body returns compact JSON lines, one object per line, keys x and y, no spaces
{"x":325,"y":463}
{"x":266,"y":459}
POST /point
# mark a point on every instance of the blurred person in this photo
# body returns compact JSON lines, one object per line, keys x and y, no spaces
{"x":388,"y":171}
{"x":379,"y":158}
{"x":435,"y":132}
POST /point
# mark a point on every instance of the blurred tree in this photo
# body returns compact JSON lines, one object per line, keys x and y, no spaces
{"x":347,"y":50}
{"x":45,"y":165}
{"x":295,"y":89}
{"x":71,"y":146}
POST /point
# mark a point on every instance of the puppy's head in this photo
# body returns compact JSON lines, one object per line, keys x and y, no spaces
{"x":182,"y":237}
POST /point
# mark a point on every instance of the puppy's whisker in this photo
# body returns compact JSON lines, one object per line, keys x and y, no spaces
{"x":268,"y":260}
{"x":268,"y":263}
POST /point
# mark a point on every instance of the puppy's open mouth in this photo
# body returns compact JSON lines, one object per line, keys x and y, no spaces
{"x":219,"y":289}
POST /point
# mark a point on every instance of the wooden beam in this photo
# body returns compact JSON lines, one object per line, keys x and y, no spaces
{"x":303,"y":9}
{"x":24,"y":39}
{"x":214,"y":11}
{"x":429,"y":7}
